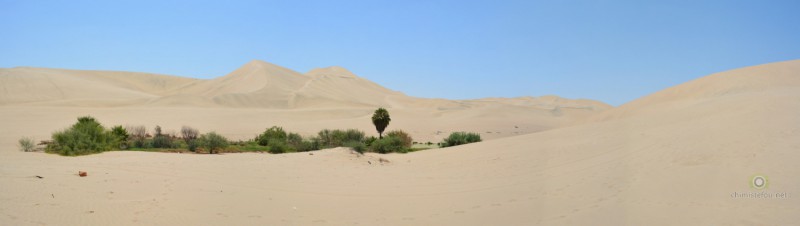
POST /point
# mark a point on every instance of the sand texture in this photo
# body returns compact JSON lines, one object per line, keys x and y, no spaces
{"x":670,"y":158}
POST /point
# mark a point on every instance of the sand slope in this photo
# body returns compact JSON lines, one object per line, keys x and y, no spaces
{"x":271,"y":91}
{"x":60,"y":87}
{"x":671,"y":158}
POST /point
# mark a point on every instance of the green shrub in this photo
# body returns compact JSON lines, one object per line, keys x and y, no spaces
{"x":192,"y":145}
{"x":278,"y":146}
{"x":162,"y":141}
{"x":213,"y":142}
{"x":402,"y":135}
{"x":356,"y":146}
{"x":294,"y":139}
{"x":274,"y":133}
{"x":27,"y":144}
{"x":120,"y":133}
{"x":337,"y":138}
{"x":369,"y":140}
{"x":387,"y":145}
{"x":459,"y":138}
{"x":87,"y":136}
{"x":306,"y":145}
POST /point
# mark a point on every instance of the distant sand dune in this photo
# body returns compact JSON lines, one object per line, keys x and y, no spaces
{"x":676,"y":157}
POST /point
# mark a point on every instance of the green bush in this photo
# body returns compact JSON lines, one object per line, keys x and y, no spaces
{"x":278,"y":146}
{"x":369,"y":140}
{"x":307,"y":146}
{"x":27,"y":144}
{"x":192,"y":145}
{"x":294,"y":139}
{"x":274,"y":133}
{"x":402,"y":135}
{"x":162,"y":141}
{"x":337,"y":138}
{"x":459,"y":138}
{"x":356,"y":146}
{"x":120,"y":133}
{"x":213,"y":142}
{"x":387,"y":145}
{"x":87,"y":136}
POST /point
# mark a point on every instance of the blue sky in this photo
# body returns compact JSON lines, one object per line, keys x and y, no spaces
{"x":613,"y":51}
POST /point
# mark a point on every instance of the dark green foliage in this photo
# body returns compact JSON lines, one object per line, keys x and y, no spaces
{"x":87,"y":136}
{"x":459,"y":138}
{"x":120,"y":133}
{"x":294,"y":139}
{"x":387,"y":145}
{"x":162,"y":141}
{"x":278,"y":147}
{"x":213,"y":142}
{"x":381,"y":120}
{"x":307,"y":146}
{"x":274,"y":133}
{"x":192,"y":145}
{"x":369,"y":140}
{"x":402,"y":135}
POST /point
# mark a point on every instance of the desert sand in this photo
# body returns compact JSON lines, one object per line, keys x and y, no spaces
{"x":675,"y":157}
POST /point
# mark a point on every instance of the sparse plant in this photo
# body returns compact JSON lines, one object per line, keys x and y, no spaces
{"x":381,"y":120}
{"x":356,"y":146}
{"x":189,"y":134}
{"x":137,"y":135}
{"x":27,"y":144}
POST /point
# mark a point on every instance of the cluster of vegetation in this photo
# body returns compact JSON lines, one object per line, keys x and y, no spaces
{"x":88,"y":136}
{"x":459,"y":138}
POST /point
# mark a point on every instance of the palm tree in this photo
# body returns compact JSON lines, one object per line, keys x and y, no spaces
{"x":381,"y":120}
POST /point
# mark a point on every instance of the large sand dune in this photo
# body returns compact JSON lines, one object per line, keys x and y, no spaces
{"x":671,"y":158}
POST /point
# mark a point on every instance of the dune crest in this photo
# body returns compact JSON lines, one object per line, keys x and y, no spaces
{"x":677,"y":157}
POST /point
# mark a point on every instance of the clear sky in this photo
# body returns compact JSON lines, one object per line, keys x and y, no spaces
{"x":613,"y":51}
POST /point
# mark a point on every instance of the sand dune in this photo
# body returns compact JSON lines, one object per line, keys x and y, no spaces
{"x":270,"y":89}
{"x":46,"y":86}
{"x":671,"y":158}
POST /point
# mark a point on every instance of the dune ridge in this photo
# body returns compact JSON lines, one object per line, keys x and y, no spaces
{"x":675,"y":157}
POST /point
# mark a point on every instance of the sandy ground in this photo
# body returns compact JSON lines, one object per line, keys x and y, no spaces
{"x":676,"y":157}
